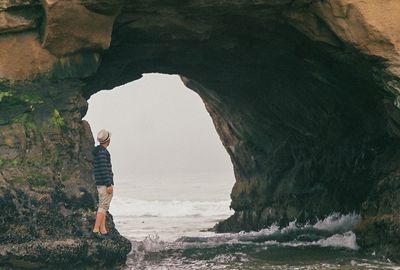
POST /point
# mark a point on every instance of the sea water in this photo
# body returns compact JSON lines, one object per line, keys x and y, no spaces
{"x":168,"y":225}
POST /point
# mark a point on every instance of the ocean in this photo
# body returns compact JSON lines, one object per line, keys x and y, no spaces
{"x":168,"y":219}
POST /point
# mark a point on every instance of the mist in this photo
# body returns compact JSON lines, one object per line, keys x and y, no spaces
{"x":159,"y":128}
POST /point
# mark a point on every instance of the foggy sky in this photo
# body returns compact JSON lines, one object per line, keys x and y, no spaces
{"x":158,"y":127}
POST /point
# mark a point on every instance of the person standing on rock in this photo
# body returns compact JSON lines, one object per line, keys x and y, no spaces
{"x":104,"y":180}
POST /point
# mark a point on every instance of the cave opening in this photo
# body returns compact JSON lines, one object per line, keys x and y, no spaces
{"x":168,"y":161}
{"x":305,"y":123}
{"x":304,"y":96}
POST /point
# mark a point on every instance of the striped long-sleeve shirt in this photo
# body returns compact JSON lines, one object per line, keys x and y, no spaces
{"x":102,"y":167}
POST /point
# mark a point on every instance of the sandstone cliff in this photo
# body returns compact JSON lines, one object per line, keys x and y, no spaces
{"x":303,"y":93}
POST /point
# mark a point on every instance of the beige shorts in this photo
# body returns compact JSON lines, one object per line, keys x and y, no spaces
{"x":104,"y":199}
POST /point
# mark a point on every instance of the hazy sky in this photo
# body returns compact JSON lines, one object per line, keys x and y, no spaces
{"x":159,"y":127}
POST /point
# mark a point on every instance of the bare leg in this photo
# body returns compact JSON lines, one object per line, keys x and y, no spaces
{"x":103,"y":229}
{"x":99,"y":220}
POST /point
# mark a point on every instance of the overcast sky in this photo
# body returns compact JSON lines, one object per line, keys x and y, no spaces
{"x":158,"y":127}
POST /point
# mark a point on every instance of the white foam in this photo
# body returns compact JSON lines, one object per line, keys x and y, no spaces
{"x":291,"y":227}
{"x":346,"y":240}
{"x":175,"y":208}
{"x":152,"y":243}
{"x":338,"y":222}
{"x":339,"y":225}
{"x":263,"y":232}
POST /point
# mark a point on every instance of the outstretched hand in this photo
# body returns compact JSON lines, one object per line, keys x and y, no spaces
{"x":110,"y":189}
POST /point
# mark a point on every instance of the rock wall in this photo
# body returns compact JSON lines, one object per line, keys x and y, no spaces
{"x":304,"y":95}
{"x":47,"y":190}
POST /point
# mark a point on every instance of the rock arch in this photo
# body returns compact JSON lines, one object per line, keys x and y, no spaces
{"x":303,"y":94}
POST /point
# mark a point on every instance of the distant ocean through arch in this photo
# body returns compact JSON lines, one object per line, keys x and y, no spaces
{"x":169,"y":229}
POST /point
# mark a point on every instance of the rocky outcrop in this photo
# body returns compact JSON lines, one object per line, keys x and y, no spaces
{"x":47,"y":193}
{"x":304,"y":95}
{"x":67,"y":253}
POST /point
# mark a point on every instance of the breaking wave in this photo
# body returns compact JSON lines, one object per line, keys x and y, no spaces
{"x":333,"y":231}
{"x":327,"y":244}
{"x":174,"y":208}
{"x":325,"y":233}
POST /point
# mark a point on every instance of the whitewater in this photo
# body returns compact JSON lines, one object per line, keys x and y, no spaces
{"x":173,"y":178}
{"x":175,"y":234}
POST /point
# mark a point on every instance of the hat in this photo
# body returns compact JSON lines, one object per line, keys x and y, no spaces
{"x":103,"y":136}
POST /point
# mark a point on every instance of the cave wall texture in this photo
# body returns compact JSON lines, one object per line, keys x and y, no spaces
{"x":303,"y":93}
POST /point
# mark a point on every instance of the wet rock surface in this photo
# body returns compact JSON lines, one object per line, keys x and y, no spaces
{"x":66,"y":252}
{"x":380,"y":235}
{"x":304,"y":95}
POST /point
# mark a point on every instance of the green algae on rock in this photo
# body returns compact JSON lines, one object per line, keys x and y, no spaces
{"x":47,"y":191}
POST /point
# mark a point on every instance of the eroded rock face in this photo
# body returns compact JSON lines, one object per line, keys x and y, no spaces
{"x":304,"y":95}
{"x":47,"y":190}
{"x":85,"y":29}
